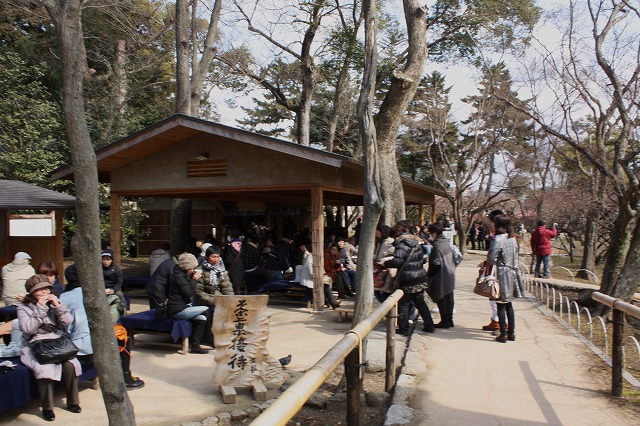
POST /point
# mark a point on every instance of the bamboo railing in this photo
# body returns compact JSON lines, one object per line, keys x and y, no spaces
{"x":349,"y":350}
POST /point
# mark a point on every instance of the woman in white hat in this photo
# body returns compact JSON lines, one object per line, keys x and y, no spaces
{"x":14,"y":276}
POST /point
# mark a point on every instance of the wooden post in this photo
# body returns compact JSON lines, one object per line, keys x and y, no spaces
{"x":279,"y":233}
{"x":352,"y":368}
{"x":421,"y":214}
{"x":390,"y":359}
{"x":115,"y":234}
{"x":59,"y":252}
{"x":217,"y":222}
{"x":317,"y":242}
{"x":616,"y":353}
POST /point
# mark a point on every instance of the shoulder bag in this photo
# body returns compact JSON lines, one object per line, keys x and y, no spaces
{"x":54,"y":351}
{"x":487,"y":284}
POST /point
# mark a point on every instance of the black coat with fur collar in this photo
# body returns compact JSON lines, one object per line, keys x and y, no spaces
{"x":413,"y":277}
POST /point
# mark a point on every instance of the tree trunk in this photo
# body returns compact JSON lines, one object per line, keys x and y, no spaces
{"x":460,"y":228}
{"x":402,"y":90}
{"x":180,"y":225}
{"x":340,"y":96}
{"x":306,"y":96}
{"x":183,"y":84}
{"x":589,"y":250}
{"x":618,"y":249}
{"x":86,"y":243}
{"x":373,"y":201}
{"x":627,"y":283}
{"x":120,"y":75}
{"x":201,"y":62}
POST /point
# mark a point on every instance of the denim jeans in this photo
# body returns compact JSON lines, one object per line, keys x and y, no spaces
{"x":507,"y":318}
{"x":191,"y":313}
{"x":540,"y":259}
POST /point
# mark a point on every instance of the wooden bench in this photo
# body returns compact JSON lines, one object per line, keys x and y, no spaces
{"x":344,"y":312}
{"x":291,"y":290}
{"x":146,"y":323}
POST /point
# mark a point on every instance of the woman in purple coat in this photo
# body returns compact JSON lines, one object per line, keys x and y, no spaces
{"x":43,"y":316}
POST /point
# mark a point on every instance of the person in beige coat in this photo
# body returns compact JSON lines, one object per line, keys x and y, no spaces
{"x":14,"y":275}
{"x":43,"y":316}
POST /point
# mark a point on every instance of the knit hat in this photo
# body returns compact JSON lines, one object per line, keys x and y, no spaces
{"x":21,"y":255}
{"x":107,"y":252}
{"x":541,"y":223}
{"x":36,"y":282}
{"x":187,"y":261}
{"x":71,"y":274}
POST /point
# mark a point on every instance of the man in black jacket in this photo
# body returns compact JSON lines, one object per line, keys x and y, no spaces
{"x":159,"y":282}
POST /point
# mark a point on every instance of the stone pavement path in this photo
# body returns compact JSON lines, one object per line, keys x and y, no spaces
{"x":545,"y":377}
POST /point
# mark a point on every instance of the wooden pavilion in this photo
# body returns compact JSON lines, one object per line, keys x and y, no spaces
{"x":22,"y":229}
{"x":227,"y":168}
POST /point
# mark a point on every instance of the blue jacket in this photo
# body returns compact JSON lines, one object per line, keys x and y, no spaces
{"x":79,"y":328}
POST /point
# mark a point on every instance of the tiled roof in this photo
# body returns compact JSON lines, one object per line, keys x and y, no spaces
{"x":15,"y":194}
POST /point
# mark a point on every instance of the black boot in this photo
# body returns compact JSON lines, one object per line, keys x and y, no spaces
{"x":132,"y":382}
{"x":442,"y":324}
{"x":208,"y":339}
{"x":196,"y":337}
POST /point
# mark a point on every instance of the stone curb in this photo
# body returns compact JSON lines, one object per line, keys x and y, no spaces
{"x":413,"y":368}
{"x":236,"y":415}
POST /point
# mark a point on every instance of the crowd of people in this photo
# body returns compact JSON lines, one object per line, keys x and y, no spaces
{"x":48,"y":310}
{"x":420,"y":260}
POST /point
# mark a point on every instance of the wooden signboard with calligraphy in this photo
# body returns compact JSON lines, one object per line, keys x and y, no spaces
{"x":241,"y":330}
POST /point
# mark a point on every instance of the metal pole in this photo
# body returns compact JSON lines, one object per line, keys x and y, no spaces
{"x":352,"y":365}
{"x":616,"y":353}
{"x":390,"y":359}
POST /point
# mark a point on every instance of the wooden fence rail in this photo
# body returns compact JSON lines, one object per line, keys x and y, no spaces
{"x":349,"y":351}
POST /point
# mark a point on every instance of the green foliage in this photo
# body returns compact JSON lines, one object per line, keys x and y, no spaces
{"x":508,"y":130}
{"x":458,"y":28}
{"x":31,"y":133}
{"x":270,"y":117}
{"x":430,"y":131}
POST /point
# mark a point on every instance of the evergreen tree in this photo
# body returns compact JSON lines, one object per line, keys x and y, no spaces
{"x":31,"y":133}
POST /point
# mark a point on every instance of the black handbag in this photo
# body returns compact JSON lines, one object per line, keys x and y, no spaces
{"x":54,"y":351}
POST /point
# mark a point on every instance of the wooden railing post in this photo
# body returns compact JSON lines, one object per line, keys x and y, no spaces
{"x":352,"y":368}
{"x":616,"y":353}
{"x":390,"y":358}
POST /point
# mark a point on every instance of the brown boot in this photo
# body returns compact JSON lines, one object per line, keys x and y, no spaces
{"x":492,"y":326}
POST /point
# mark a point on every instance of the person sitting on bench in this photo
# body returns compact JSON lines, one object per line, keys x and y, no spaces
{"x":336,"y":271}
{"x":182,"y":285}
{"x":79,"y":329}
{"x":158,"y":283}
{"x":306,"y":277}
{"x":214,"y":280}
{"x":113,"y":282}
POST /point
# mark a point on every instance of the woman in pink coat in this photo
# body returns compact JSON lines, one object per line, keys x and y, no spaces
{"x":43,"y":316}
